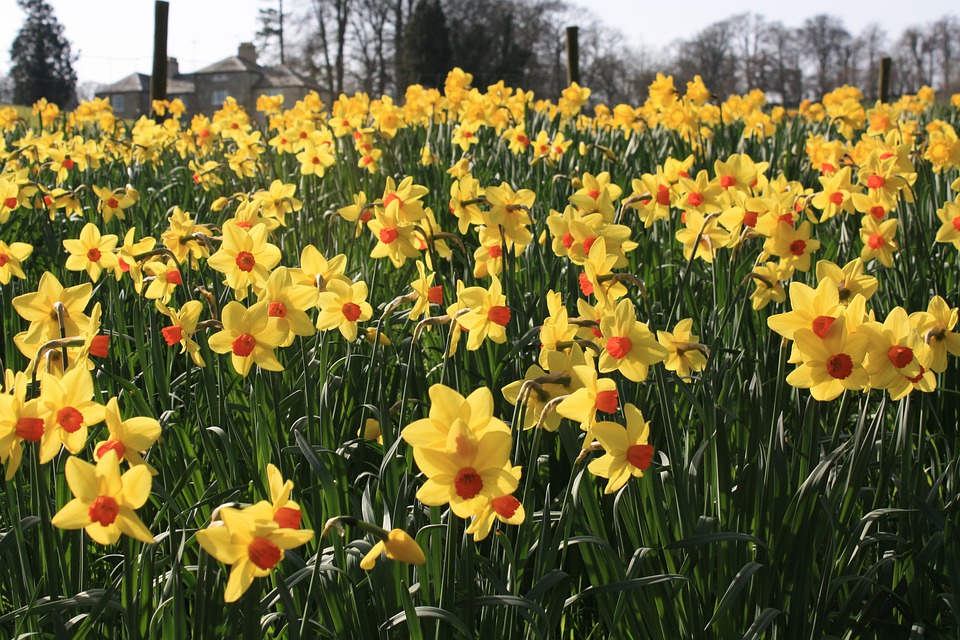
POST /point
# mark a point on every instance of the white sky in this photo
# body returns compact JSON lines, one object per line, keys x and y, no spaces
{"x":115,"y":37}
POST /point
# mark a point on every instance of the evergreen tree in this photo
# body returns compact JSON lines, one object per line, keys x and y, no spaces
{"x":42,"y":65}
{"x":426,"y":46}
{"x":488,"y":43}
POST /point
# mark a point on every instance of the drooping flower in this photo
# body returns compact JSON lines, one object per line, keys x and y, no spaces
{"x":936,"y":325}
{"x":397,"y":545}
{"x":684,"y":351}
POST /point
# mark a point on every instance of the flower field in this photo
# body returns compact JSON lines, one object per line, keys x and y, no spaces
{"x":476,"y":364}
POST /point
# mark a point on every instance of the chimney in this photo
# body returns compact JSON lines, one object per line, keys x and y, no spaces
{"x":247,"y":52}
{"x":173,"y":68}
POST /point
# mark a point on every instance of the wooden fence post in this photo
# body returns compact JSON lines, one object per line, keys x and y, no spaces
{"x":573,"y":56}
{"x":883,"y":88}
{"x":158,"y":81}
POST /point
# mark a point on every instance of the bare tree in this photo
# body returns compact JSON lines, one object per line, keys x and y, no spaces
{"x":710,"y":54}
{"x":749,"y":49}
{"x":912,"y":55}
{"x":872,"y":45}
{"x":783,"y":52}
{"x":825,"y":41}
{"x":945,"y":43}
{"x":371,"y":31}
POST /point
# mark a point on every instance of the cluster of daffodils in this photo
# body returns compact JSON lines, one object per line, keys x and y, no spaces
{"x":53,"y":406}
{"x":253,"y":539}
{"x":839,"y":345}
{"x":464,"y":451}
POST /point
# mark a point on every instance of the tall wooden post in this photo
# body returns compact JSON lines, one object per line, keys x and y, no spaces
{"x":158,"y":81}
{"x":280,"y":17}
{"x":883,"y":88}
{"x":573,"y":56}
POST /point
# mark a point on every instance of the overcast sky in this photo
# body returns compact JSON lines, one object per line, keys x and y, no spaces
{"x":114,"y":38}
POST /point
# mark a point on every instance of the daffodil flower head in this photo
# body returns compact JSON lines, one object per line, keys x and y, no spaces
{"x":628,"y":452}
{"x":249,"y":337}
{"x":253,"y":547}
{"x":105,"y":501}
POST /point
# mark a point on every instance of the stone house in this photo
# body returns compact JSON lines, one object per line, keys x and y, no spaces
{"x":205,"y":90}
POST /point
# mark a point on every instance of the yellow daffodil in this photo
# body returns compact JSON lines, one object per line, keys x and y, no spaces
{"x":684,"y":351}
{"x":949,"y":215}
{"x":254,"y":547}
{"x":936,"y":325}
{"x":627,"y":450}
{"x":278,"y":201}
{"x":185,"y":238}
{"x":127,"y":438}
{"x":629,"y":346}
{"x":447,"y":407}
{"x":595,"y":394}
{"x":249,"y":337}
{"x":488,"y":315}
{"x":287,"y":304}
{"x":507,"y":509}
{"x":105,"y":502}
{"x":183,"y":327}
{"x":70,"y":409}
{"x":114,"y":202}
{"x":832,"y":362}
{"x":49,"y":304}
{"x":898,"y":359}
{"x":468,"y":472}
{"x":879,"y":240}
{"x":91,"y":252}
{"x":245,"y":258}
{"x":21,"y":420}
{"x":11,"y":260}
{"x":342,"y":306}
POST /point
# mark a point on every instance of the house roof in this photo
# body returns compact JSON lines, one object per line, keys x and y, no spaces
{"x":132,"y":83}
{"x":182,"y":84}
{"x":137,"y":82}
{"x":279,"y":76}
{"x":234,"y":64}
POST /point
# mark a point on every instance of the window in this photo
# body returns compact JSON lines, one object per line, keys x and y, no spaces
{"x":219,"y":97}
{"x":219,"y":77}
{"x":119,"y":103}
